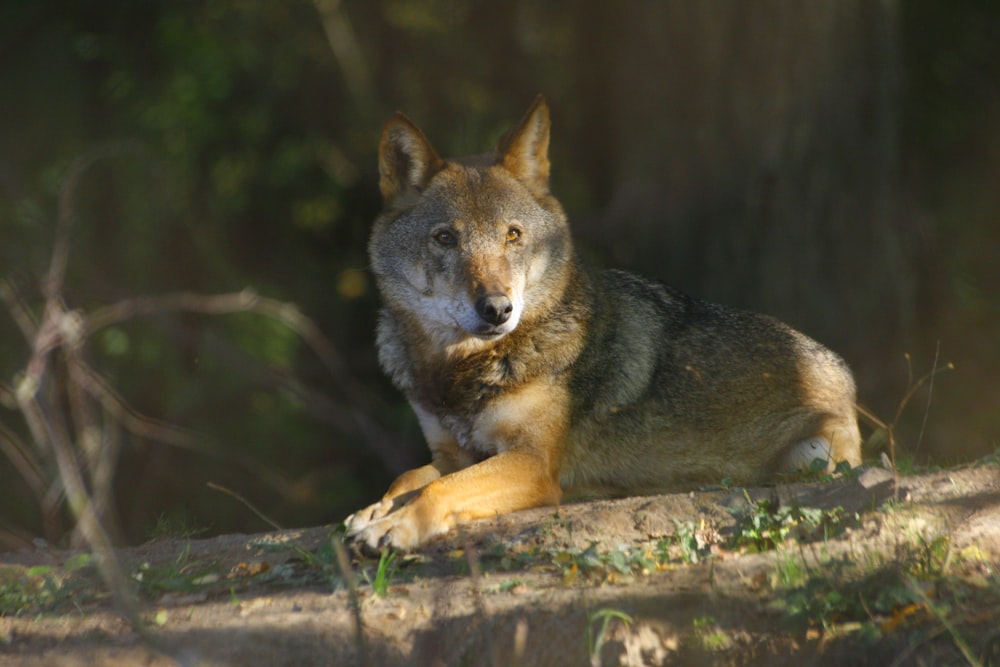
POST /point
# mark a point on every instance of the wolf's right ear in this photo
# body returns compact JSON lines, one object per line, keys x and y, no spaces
{"x":524,"y":151}
{"x":406,"y":159}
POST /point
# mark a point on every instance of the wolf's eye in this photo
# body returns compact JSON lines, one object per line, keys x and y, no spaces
{"x":513,"y":235}
{"x":444,"y":237}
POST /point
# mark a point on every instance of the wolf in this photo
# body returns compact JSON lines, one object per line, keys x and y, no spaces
{"x":536,"y":379}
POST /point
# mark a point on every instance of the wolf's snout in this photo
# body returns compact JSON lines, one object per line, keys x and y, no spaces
{"x":494,"y":309}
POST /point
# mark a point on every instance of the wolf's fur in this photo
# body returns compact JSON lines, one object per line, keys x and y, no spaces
{"x":535,"y":379}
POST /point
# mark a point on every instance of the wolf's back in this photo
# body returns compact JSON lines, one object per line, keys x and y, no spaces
{"x":671,"y":390}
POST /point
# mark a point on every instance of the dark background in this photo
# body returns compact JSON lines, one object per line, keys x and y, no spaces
{"x":834,"y":164}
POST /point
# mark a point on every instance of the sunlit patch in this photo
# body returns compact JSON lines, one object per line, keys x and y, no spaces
{"x":352,"y":284}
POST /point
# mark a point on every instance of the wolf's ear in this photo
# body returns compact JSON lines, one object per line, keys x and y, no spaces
{"x":406,"y":159}
{"x":524,"y":151}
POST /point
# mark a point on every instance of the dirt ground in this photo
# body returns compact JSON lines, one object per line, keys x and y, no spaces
{"x":866,"y":572}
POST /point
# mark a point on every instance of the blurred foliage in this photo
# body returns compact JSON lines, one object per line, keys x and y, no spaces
{"x":237,"y":144}
{"x":223,"y":122}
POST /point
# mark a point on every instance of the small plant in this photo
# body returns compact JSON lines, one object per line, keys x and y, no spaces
{"x":182,"y":574}
{"x":766,"y":525}
{"x":817,"y":472}
{"x":760,"y":528}
{"x":607,"y":565}
{"x":709,"y":637}
{"x":928,"y":557}
{"x":175,"y":526}
{"x":960,"y":642}
{"x":790,"y":570}
{"x":595,"y":642}
{"x":44,"y":587}
{"x":724,"y":485}
{"x":383,"y":573}
{"x":824,"y":597}
{"x":884,"y":436}
{"x":305,"y":567}
{"x":693,"y":542}
{"x":507,"y":586}
{"x":991,"y":459}
{"x":877,"y":596}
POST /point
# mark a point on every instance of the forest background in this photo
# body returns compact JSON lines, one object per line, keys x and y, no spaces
{"x":833,"y":164}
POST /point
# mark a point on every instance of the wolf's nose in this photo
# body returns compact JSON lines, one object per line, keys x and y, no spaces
{"x":494,"y":309}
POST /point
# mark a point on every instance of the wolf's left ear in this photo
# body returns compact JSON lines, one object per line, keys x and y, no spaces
{"x":524,"y":151}
{"x":406,"y":159}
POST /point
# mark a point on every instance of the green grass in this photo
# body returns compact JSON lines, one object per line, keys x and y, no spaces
{"x":918,"y":594}
{"x":817,"y":472}
{"x":180,"y":575}
{"x":689,"y":544}
{"x":596,"y":640}
{"x":506,"y":586}
{"x":692,"y":542}
{"x":45,"y":588}
{"x":708,"y":635}
{"x":176,"y":526}
{"x":384,"y":573}
{"x":765,"y":525}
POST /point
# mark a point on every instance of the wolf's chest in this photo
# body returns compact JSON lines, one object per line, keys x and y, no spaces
{"x":462,"y":403}
{"x":470,"y":431}
{"x":469,"y":435}
{"x":460,"y":408}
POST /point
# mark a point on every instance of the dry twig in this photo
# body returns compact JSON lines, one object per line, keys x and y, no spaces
{"x":73,"y":415}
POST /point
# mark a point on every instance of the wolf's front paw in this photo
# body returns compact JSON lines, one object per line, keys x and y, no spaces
{"x":389,"y":532}
{"x":405,"y":529}
{"x":361,"y":519}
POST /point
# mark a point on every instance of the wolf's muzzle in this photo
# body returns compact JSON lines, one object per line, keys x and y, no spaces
{"x":494,"y":309}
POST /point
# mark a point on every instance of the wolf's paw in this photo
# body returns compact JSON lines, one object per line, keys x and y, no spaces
{"x":389,"y":533}
{"x":403,"y":530}
{"x":803,"y":454}
{"x":363,"y":518}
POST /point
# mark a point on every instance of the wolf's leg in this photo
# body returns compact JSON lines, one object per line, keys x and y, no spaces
{"x":527,"y":425}
{"x":512,"y":480}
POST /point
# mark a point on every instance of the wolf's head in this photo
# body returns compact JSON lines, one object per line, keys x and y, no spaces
{"x":469,"y":248}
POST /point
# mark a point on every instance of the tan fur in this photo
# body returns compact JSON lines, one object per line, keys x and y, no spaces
{"x":535,"y":379}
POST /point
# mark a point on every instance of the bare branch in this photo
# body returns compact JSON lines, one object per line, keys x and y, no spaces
{"x":22,"y":315}
{"x":133,"y":421}
{"x":229,"y":492}
{"x":208,"y":304}
{"x":343,"y":417}
{"x":20,"y":456}
{"x":249,"y":301}
{"x":930,"y":395}
{"x":89,"y":523}
{"x":8,"y":398}
{"x":914,"y":386}
{"x":73,"y":418}
{"x":53,"y":284}
{"x":346,"y":50}
{"x":246,"y":301}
